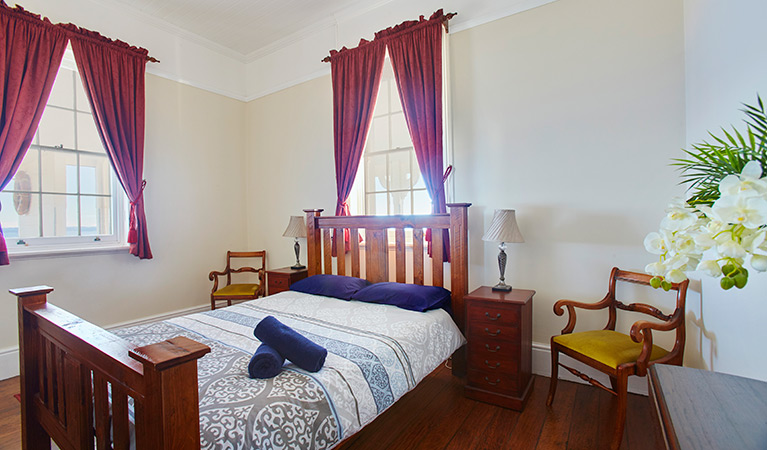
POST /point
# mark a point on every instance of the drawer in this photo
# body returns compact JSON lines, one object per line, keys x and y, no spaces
{"x":490,"y":314}
{"x":492,"y":363}
{"x":492,"y":332}
{"x":493,"y":350}
{"x":278,"y":282}
{"x":493,"y":382}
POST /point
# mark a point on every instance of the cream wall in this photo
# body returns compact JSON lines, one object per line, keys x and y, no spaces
{"x":726,"y":65}
{"x":194,"y":205}
{"x":568,"y":113}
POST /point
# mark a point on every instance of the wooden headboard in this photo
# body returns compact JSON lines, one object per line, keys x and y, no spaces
{"x":377,"y":253}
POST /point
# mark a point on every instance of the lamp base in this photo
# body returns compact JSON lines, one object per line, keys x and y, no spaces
{"x":297,"y":267}
{"x":503,"y":287}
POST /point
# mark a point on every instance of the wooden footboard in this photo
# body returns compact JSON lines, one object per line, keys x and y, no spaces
{"x":79,"y":384}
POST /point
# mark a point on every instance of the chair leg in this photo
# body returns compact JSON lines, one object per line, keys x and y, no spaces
{"x":212,"y":303}
{"x":554,"y":374}
{"x":621,"y":389}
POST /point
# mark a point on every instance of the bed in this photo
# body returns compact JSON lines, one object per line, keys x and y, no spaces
{"x":181,"y":382}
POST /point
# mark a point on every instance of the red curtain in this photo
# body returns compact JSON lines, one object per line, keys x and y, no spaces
{"x":30,"y":55}
{"x":113,"y":75}
{"x":356,"y":76}
{"x":415,"y":49}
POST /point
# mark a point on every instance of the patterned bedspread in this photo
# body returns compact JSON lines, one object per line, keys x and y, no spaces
{"x":376,"y":353}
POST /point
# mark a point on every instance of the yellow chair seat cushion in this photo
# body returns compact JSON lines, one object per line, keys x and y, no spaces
{"x":237,"y":289}
{"x":606,"y":346}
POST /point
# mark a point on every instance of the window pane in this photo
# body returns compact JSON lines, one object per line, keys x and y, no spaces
{"x":418,"y":182}
{"x":399,"y":170}
{"x":59,"y":215}
{"x":375,"y":174}
{"x":95,"y":174}
{"x":82,"y":100}
{"x":20,"y":216}
{"x":62,"y":94}
{"x":421,"y":202}
{"x":382,"y":100}
{"x":378,"y":137}
{"x":87,"y":136}
{"x":27,"y":177}
{"x":96,"y":215}
{"x":57,"y":127}
{"x":56,"y":176}
{"x":376,"y":204}
{"x":399,"y":134}
{"x":399,"y":202}
{"x":396,"y":104}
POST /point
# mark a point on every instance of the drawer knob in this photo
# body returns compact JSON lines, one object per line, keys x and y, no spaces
{"x":497,"y":365}
{"x":497,"y":332}
{"x":497,"y":316}
{"x":497,"y":347}
{"x":497,"y":380}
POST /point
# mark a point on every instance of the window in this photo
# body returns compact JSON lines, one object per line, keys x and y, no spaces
{"x":389,"y":180}
{"x":64,"y":193}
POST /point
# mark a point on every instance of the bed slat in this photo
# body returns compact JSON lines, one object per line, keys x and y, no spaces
{"x":101,"y":411}
{"x":418,"y":256}
{"x":437,"y":275}
{"x":340,"y":252}
{"x":327,"y":251}
{"x":61,"y":409}
{"x":376,"y":256}
{"x":120,"y":418}
{"x":354,"y":238}
{"x":399,"y":259}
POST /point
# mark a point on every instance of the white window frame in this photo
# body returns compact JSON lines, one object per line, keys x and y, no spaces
{"x":41,"y":246}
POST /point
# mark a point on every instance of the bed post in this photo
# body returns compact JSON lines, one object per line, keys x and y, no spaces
{"x":459,"y":274}
{"x":313,"y":239}
{"x":170,"y":416}
{"x":33,"y":435}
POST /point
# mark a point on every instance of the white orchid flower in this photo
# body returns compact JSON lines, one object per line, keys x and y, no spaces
{"x":759,"y":263}
{"x":710,"y":268}
{"x":656,"y":269}
{"x":751,"y":240}
{"x":678,"y":216}
{"x":749,"y":182}
{"x":749,"y":211}
{"x":684,"y":244}
{"x":675,"y":276}
{"x":731,"y":249}
{"x":655,"y":243}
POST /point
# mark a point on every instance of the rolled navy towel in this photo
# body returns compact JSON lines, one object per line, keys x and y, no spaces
{"x":265,"y":363}
{"x":296,"y":348}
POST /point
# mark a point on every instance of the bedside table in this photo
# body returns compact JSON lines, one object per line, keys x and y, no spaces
{"x":499,"y":349}
{"x":278,"y":280}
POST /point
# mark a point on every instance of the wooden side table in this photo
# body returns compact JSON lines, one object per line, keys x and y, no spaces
{"x":278,"y":280}
{"x":499,"y":351}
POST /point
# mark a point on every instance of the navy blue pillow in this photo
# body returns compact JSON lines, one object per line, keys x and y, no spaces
{"x":407,"y":296}
{"x":337,"y":286}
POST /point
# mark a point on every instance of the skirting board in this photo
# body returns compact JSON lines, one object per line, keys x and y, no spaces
{"x":9,"y":357}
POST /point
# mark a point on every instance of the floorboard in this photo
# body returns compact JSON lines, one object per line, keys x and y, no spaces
{"x":436,"y":415}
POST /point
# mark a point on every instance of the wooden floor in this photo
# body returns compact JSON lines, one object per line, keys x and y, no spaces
{"x":436,"y":415}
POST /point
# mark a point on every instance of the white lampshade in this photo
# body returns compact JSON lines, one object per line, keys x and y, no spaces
{"x":296,"y":227}
{"x":504,"y":227}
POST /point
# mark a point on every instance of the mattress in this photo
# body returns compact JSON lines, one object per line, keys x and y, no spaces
{"x":376,"y":353}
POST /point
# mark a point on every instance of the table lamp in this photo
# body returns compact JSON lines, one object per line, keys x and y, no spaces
{"x":296,"y":229}
{"x":503,"y":228}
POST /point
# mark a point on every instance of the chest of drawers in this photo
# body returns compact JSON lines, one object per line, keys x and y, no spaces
{"x":499,"y":349}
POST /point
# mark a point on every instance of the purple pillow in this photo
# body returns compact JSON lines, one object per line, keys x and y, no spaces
{"x":338,"y":286}
{"x":407,"y":296}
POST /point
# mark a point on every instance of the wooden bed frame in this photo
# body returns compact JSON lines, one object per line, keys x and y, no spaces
{"x":76,"y":378}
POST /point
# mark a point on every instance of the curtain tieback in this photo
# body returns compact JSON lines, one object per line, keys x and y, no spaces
{"x":133,"y":226}
{"x":448,"y":171}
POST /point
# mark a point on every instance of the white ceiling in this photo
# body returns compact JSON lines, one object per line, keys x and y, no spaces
{"x":247,"y":26}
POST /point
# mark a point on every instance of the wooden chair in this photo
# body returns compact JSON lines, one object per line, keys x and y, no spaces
{"x":616,"y":354}
{"x":248,"y":291}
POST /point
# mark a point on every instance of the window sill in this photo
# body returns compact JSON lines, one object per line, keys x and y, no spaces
{"x":43,"y":253}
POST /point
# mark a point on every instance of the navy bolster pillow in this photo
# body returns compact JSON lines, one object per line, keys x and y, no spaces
{"x":407,"y":296}
{"x":298,"y":349}
{"x":338,"y":286}
{"x":265,"y":363}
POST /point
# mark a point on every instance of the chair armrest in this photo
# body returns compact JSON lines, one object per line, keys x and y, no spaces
{"x":571,"y":305}
{"x":213,"y":276}
{"x":641,"y":331}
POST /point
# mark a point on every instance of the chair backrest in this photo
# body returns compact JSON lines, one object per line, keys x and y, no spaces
{"x":230,"y":254}
{"x":674,"y":321}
